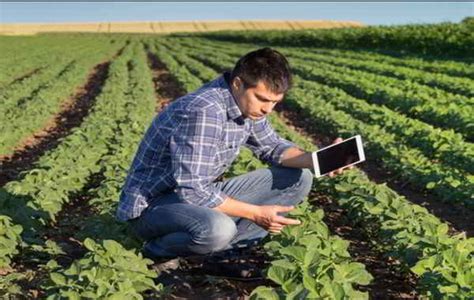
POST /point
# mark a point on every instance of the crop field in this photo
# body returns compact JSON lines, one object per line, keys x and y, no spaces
{"x":169,"y":26}
{"x":75,"y":106}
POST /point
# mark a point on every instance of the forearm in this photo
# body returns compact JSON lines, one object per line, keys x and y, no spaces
{"x":236,"y":208}
{"x":296,"y":158}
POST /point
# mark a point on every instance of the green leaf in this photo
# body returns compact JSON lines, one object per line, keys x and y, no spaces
{"x":58,"y":279}
{"x":264,"y":293}
{"x":284,"y":263}
{"x":89,"y":244}
{"x":277,"y":274}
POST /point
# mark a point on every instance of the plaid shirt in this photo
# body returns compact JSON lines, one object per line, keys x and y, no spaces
{"x":190,"y":144}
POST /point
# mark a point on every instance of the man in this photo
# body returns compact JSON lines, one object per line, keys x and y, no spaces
{"x":171,"y":197}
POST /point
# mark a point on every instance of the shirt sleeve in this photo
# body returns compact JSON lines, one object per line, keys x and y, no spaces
{"x":193,"y":148}
{"x":266,"y":144}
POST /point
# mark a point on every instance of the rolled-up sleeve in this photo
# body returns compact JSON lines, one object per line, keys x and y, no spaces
{"x":193,"y":148}
{"x":266,"y":144}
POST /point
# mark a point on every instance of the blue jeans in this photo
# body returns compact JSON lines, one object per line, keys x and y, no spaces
{"x":174,"y":228}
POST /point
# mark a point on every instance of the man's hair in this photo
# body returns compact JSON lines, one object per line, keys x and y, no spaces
{"x":267,"y":65}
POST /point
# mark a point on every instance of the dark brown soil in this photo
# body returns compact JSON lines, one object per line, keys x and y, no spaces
{"x":25,"y":76}
{"x":388,"y":283}
{"x":202,"y":278}
{"x":167,"y":87}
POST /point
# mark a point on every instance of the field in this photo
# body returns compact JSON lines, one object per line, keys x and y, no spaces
{"x":75,"y":106}
{"x":169,"y":27}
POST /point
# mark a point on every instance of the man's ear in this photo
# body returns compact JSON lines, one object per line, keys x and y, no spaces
{"x":237,"y":84}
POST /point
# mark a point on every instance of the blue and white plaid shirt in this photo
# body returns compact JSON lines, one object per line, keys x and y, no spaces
{"x":190,"y":144}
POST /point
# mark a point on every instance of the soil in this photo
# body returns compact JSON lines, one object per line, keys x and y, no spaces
{"x":25,"y":76}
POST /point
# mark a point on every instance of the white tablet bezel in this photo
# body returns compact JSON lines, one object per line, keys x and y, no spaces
{"x":360,"y":150}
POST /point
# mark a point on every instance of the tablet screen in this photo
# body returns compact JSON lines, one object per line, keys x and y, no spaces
{"x":338,"y":156}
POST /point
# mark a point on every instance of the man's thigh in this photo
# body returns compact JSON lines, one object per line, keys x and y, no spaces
{"x":274,"y":185}
{"x":168,"y":215}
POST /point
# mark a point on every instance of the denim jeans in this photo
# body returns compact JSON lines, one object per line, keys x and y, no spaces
{"x":174,"y":228}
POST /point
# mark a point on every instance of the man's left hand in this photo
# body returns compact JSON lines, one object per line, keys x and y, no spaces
{"x":338,"y":171}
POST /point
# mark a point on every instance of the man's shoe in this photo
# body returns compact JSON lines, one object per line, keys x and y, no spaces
{"x":166,"y":264}
{"x":162,"y":263}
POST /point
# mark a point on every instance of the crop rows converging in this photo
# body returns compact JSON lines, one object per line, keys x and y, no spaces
{"x":415,"y":117}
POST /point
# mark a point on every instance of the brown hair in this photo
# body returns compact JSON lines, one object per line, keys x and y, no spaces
{"x":264,"y":64}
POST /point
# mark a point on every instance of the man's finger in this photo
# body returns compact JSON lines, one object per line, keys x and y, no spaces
{"x":275,"y":228}
{"x":338,"y":140}
{"x":284,"y":208}
{"x":286,"y":221}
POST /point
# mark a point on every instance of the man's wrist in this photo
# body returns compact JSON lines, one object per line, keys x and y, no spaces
{"x":255,"y":213}
{"x":236,"y":208}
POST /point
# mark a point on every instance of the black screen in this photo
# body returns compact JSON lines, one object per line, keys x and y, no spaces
{"x":338,"y":156}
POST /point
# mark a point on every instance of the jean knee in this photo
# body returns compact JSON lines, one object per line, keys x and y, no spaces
{"x":221,"y":230}
{"x":306,"y":180}
{"x":303,"y":186}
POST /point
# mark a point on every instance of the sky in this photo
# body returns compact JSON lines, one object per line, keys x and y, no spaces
{"x":369,"y":13}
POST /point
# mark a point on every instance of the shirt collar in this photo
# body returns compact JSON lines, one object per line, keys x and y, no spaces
{"x":233,"y":110}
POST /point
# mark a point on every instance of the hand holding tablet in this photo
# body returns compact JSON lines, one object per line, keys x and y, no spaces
{"x":338,"y":156}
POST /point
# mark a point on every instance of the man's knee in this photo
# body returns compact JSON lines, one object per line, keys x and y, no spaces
{"x":301,"y":179}
{"x":220,"y":230}
{"x":306,"y":181}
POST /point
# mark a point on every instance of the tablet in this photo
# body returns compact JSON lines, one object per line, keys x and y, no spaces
{"x":344,"y":154}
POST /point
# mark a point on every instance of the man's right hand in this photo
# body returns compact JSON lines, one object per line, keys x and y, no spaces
{"x":268,"y":218}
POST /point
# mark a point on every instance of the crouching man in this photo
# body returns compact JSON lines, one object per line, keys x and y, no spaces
{"x":171,"y":197}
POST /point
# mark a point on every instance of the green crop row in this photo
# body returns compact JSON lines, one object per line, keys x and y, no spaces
{"x":433,"y":40}
{"x":33,"y":113}
{"x":36,"y":198}
{"x":440,"y":145}
{"x":20,"y":55}
{"x":18,"y":95}
{"x":414,"y":166}
{"x":444,"y":67}
{"x":456,"y":85}
{"x":405,"y":231}
{"x":111,"y":268}
{"x":405,"y":98}
{"x":410,"y":164}
{"x":429,"y":105}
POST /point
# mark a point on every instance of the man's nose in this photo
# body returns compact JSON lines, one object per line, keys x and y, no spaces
{"x":267,"y":109}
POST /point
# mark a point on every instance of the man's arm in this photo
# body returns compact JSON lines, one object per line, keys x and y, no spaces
{"x":294,"y":157}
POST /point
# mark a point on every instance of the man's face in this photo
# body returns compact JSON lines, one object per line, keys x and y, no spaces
{"x":255,"y":102}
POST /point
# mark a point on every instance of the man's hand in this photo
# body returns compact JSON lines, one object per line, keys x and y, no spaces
{"x":267,"y":217}
{"x":338,"y":171}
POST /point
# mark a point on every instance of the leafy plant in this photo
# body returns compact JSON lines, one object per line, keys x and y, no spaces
{"x":107,"y":271}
